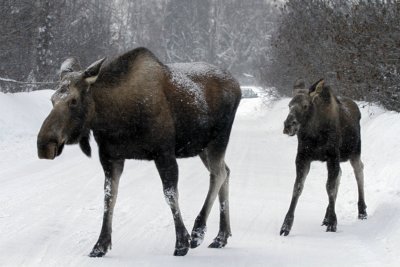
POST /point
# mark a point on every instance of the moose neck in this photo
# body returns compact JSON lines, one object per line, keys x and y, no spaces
{"x":91,"y":110}
{"x":324,"y":117}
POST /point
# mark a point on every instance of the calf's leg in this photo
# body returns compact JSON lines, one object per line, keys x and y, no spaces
{"x":113,"y":171}
{"x":358,"y":168}
{"x":302,"y":169}
{"x":332,"y":186}
{"x":168,"y":170}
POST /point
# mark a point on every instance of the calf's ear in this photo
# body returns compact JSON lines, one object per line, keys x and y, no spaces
{"x":92,"y":72}
{"x":317,"y":88}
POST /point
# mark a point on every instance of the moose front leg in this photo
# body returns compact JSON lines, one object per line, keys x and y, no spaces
{"x":168,"y":170}
{"x":332,"y":186}
{"x":302,"y":169}
{"x":113,"y":171}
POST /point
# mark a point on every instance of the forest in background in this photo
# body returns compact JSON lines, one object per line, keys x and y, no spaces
{"x":36,"y":36}
{"x":354,"y":44}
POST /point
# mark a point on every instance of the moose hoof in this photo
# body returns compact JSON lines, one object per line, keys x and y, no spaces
{"x":98,"y":251}
{"x":217,"y":244}
{"x":181,"y":251}
{"x":330,"y":225}
{"x":182,"y":245}
{"x":101,"y":248}
{"x":220,"y":241}
{"x":331,"y":228}
{"x":284,"y":232}
{"x":198,"y":236}
{"x":286,"y":226}
{"x":362,"y":216}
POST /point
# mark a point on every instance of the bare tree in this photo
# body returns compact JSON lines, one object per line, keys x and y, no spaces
{"x":37,"y":35}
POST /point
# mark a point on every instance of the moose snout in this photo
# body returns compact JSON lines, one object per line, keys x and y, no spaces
{"x":47,"y":142}
{"x":47,"y":150}
{"x":50,"y":141}
{"x":285,"y":130}
{"x":290,"y":126}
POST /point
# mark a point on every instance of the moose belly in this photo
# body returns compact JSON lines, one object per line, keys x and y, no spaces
{"x":190,"y":147}
{"x":192,"y":136}
{"x":322,"y":154}
{"x":185,"y":143}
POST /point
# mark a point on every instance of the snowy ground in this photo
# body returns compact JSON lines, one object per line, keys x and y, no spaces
{"x":50,"y":211}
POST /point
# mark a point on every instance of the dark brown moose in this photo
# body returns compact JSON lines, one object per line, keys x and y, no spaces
{"x":140,"y":108}
{"x":328,"y":129}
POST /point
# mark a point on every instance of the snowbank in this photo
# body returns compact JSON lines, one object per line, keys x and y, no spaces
{"x":50,"y":211}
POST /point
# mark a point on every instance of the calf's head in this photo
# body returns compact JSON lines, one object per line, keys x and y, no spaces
{"x":301,"y":107}
{"x":68,"y":121}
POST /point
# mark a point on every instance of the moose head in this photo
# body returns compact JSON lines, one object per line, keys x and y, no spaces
{"x":303,"y":104}
{"x":68,"y":121}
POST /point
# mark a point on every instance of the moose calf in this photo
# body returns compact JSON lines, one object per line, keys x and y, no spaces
{"x":328,"y":130}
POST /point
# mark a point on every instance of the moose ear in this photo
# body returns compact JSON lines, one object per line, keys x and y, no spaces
{"x":299,"y":84}
{"x":92,"y":72}
{"x":317,"y":88}
{"x":69,"y":65}
{"x":299,"y":87}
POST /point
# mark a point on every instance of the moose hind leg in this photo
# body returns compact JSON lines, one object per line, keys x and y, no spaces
{"x":358,"y":168}
{"x":113,"y":171}
{"x":168,"y":170}
{"x":224,"y":221}
{"x":218,"y":174}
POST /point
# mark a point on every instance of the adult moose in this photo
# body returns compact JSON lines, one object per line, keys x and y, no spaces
{"x":328,"y":129}
{"x":139,"y":108}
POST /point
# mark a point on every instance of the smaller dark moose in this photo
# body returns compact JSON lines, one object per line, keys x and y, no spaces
{"x":328,"y":130}
{"x":140,"y":108}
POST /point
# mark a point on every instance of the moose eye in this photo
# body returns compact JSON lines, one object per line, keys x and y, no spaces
{"x":305,"y":106}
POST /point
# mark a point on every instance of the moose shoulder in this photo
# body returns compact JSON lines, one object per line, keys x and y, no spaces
{"x":140,"y":108}
{"x":328,"y":129}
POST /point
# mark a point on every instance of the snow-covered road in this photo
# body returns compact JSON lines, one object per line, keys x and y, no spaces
{"x":50,"y":211}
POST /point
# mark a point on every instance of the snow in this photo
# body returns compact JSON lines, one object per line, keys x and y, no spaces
{"x":7,"y":80}
{"x":182,"y":74}
{"x":51,"y":211}
{"x":169,"y":195}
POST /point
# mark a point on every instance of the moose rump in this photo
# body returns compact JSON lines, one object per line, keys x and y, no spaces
{"x":140,"y":108}
{"x":328,"y":130}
